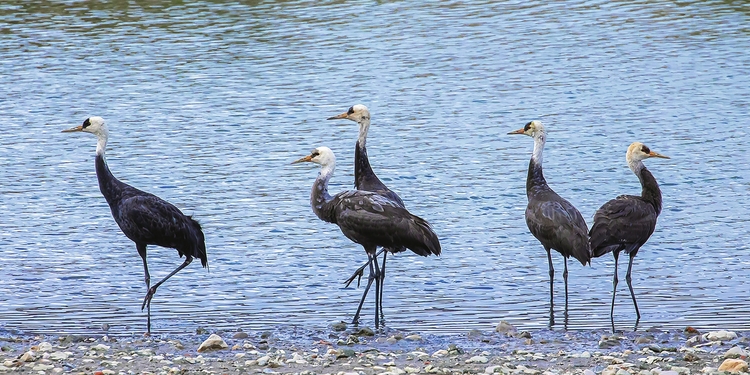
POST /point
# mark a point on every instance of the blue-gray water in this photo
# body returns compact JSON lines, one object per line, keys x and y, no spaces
{"x":208,"y":103}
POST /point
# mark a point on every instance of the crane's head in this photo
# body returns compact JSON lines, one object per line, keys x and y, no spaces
{"x":638,"y":151}
{"x":532,"y":129}
{"x":356,"y":113}
{"x":93,"y":125}
{"x":321,"y":155}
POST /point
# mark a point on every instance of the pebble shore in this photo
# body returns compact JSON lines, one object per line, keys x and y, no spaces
{"x":344,"y":350}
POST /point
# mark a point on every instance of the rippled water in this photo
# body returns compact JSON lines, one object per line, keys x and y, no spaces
{"x":208,"y":103}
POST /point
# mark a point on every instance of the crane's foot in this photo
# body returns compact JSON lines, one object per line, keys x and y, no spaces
{"x":357,"y":274}
{"x":147,"y":299}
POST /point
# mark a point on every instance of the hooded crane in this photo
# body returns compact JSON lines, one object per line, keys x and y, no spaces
{"x":365,"y":179}
{"x":626,"y":222}
{"x":550,"y":218}
{"x":143,"y":217}
{"x":369,"y":219}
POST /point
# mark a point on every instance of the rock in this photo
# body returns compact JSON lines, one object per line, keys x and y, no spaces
{"x":240,"y":336}
{"x":42,"y":367}
{"x":44,"y":347}
{"x":523,"y":335}
{"x":691,"y":357}
{"x":720,"y":336}
{"x":733,"y":365}
{"x":585,"y":355}
{"x":677,"y":370}
{"x":200,"y":331}
{"x":690,"y":331}
{"x":496,"y":368}
{"x":413,"y":337}
{"x":477,"y":359}
{"x":644,"y":340}
{"x":58,"y":356}
{"x":100,"y":348}
{"x":408,"y":369}
{"x":28,"y":357}
{"x":588,"y":372}
{"x":262,"y":361}
{"x":506,"y":328}
{"x":364,"y":331}
{"x":346,"y":353}
{"x":213,"y":342}
{"x":622,"y":372}
{"x":735,"y":352}
{"x":338,"y":327}
{"x":474,"y":334}
{"x":607,"y":342}
{"x":668,"y":373}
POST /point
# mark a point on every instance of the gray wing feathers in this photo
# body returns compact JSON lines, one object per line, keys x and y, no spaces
{"x":558,"y":225}
{"x":626,"y":221}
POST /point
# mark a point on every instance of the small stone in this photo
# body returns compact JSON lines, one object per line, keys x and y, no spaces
{"x":346,"y":353}
{"x":364,"y":331}
{"x":690,"y":331}
{"x":474,"y":334}
{"x":643,"y":340}
{"x":680,"y":370}
{"x":100,"y":348}
{"x":494,"y":369}
{"x":27,"y":357}
{"x":505,"y":327}
{"x":240,"y":336}
{"x":523,"y":335}
{"x":720,"y":336}
{"x":408,"y":369}
{"x":585,"y":355}
{"x":668,"y":372}
{"x":439,"y":353}
{"x":200,"y":331}
{"x":262,"y":361}
{"x":44,"y":347}
{"x":733,"y":365}
{"x":42,"y":367}
{"x":338,"y":327}
{"x":213,"y":342}
{"x":735,"y":352}
{"x":477,"y":359}
{"x":693,"y":341}
{"x":58,"y":356}
{"x":622,"y":372}
{"x":413,"y":337}
{"x":691,"y":357}
{"x":588,"y":371}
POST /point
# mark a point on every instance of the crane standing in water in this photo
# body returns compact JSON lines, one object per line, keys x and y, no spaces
{"x":555,"y":222}
{"x":366,"y":179}
{"x":626,"y":222}
{"x":369,"y":219}
{"x":143,"y":217}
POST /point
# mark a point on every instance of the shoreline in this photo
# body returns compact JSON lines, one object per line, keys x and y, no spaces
{"x":357,"y":351}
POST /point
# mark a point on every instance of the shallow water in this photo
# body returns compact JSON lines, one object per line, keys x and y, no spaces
{"x":208,"y":103}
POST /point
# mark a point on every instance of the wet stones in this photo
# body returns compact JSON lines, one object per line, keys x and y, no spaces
{"x":720,"y":336}
{"x":213,"y":342}
{"x":733,"y":365}
{"x":505,"y":328}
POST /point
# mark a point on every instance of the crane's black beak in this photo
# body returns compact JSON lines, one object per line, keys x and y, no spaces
{"x":519,"y":131}
{"x":343,"y":115}
{"x":76,"y":129}
{"x":302,"y":160}
{"x":653,"y":154}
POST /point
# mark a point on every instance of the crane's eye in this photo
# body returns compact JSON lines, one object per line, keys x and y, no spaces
{"x":645,"y":150}
{"x":527,"y":127}
{"x":86,"y":123}
{"x":350,"y":111}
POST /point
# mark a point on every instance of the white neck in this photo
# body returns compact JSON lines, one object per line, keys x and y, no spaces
{"x":101,"y":143}
{"x":635,"y":165}
{"x":364,"y":127}
{"x":539,"y":139}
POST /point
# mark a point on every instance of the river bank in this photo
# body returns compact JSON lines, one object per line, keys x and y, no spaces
{"x":339,"y":349}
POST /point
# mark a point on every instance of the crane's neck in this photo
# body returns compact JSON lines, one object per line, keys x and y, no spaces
{"x":650,"y":191}
{"x":535,"y":178}
{"x":319,"y":198}
{"x":364,"y":127}
{"x":101,"y":145}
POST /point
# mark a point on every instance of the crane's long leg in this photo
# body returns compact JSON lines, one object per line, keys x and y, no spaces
{"x":378,"y":291}
{"x":360,"y":271}
{"x":152,"y":290}
{"x":551,"y":290}
{"x":630,"y":286}
{"x":382,"y":286}
{"x":142,"y":252}
{"x":614,"y":289}
{"x":370,"y":279}
{"x":565,"y":278}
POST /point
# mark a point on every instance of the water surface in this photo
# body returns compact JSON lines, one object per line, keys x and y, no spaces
{"x":208,"y":103}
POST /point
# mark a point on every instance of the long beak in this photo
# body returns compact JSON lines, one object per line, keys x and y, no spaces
{"x":343,"y":115}
{"x":302,"y":160}
{"x":653,"y":154}
{"x":519,"y":131}
{"x":76,"y":129}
